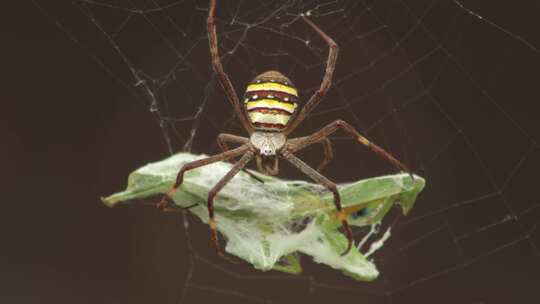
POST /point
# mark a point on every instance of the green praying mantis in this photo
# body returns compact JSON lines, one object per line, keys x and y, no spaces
{"x":268,"y":224}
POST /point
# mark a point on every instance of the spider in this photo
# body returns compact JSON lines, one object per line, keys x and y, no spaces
{"x":269,"y":113}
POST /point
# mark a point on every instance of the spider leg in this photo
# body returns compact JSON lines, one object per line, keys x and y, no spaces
{"x":224,"y":138}
{"x":218,"y":68}
{"x":172,"y":207}
{"x":319,"y":178}
{"x":328,"y":154}
{"x":316,"y":98}
{"x":349,"y":130}
{"x":327,"y":150}
{"x":164,"y":203}
{"x":248,"y":156}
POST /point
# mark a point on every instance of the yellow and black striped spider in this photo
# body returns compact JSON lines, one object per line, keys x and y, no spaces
{"x":269,"y":114}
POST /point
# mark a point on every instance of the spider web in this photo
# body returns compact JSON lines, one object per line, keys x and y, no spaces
{"x":447,"y":86}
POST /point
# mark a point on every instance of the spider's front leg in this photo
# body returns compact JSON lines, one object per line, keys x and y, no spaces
{"x":246,"y":158}
{"x":319,"y":178}
{"x":224,"y":138}
{"x":165,"y":203}
{"x":351,"y":131}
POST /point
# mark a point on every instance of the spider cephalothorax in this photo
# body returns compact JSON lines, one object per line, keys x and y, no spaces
{"x":269,"y":114}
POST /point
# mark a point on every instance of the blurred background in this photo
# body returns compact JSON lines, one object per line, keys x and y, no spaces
{"x":448,"y":87}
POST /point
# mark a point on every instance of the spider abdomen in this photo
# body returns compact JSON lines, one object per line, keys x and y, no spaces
{"x":270,"y":101}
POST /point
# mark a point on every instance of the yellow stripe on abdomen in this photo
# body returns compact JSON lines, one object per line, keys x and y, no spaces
{"x":269,"y":118}
{"x":271,"y":104}
{"x":272,"y":86}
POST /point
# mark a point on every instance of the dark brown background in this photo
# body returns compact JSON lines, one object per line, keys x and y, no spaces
{"x":71,"y":134}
